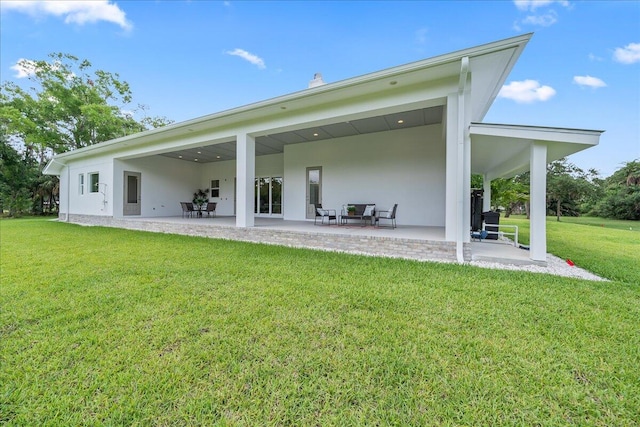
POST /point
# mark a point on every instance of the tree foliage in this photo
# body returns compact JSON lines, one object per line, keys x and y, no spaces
{"x":572,"y":191}
{"x":621,"y":194}
{"x":17,"y":176}
{"x":510,"y":194}
{"x":568,"y":187}
{"x":67,"y":106}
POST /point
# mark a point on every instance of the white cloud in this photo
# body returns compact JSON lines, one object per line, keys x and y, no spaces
{"x":526,"y":91}
{"x":421,"y":35}
{"x":254,"y":59}
{"x":532,"y":5}
{"x":593,"y":57}
{"x":629,"y":54}
{"x":24,"y":68}
{"x":74,"y":12}
{"x":593,"y":82}
{"x":545,"y":20}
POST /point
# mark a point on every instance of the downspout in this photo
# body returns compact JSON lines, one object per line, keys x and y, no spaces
{"x":462,"y":89}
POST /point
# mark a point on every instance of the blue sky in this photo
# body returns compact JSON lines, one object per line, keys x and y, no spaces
{"x":185,"y":59}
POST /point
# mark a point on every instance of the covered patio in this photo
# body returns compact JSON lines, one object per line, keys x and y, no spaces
{"x":410,"y":135}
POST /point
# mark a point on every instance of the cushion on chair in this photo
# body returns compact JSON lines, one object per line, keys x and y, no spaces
{"x":388,"y":214}
{"x":368,"y":211}
{"x":321,"y":212}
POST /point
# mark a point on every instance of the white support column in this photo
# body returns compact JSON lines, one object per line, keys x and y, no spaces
{"x":246,"y":170}
{"x":466,"y":178}
{"x":463,"y":176}
{"x":451,"y":142}
{"x":538,"y":194}
{"x":486,"y":195}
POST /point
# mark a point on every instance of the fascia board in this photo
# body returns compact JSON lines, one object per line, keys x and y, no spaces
{"x":537,"y":133}
{"x":332,"y":92}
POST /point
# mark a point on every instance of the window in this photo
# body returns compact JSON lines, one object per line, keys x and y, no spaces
{"x":94,"y":179}
{"x":215,"y":188}
{"x":81,"y":184}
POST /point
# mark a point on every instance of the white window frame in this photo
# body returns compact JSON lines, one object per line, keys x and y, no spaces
{"x":81,"y":184}
{"x":93,"y":189}
{"x":212,"y":188}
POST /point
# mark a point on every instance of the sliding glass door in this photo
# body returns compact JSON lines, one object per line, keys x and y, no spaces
{"x":268,"y":196}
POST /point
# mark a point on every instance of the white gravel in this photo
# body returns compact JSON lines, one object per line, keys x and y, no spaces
{"x":554,"y":265}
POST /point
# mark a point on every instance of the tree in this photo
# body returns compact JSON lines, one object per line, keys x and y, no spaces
{"x":17,"y":175}
{"x":567,"y":187}
{"x":510,"y":194}
{"x":67,"y":107}
{"x":621,"y":199}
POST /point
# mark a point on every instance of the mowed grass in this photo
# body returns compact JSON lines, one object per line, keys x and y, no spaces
{"x":608,"y":248}
{"x":103,"y":326}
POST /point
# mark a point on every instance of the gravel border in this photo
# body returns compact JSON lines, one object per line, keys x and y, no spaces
{"x":554,"y":265}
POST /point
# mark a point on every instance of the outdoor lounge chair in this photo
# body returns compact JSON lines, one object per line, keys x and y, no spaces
{"x":321,"y":213}
{"x":211,"y":208}
{"x":187,"y":209}
{"x":388,"y":215}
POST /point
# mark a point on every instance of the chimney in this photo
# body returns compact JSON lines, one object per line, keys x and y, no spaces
{"x":317,"y":80}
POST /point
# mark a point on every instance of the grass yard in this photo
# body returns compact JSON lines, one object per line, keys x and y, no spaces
{"x":102,"y":326}
{"x":608,"y":248}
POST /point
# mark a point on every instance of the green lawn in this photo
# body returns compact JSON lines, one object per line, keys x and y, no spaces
{"x":609,"y":248}
{"x":102,"y":326}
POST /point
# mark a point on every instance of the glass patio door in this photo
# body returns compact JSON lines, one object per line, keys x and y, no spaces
{"x":314,"y":190}
{"x":268,"y":196}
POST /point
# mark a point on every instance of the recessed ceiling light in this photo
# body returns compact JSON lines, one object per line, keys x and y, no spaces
{"x":199,"y":152}
{"x":217,"y":157}
{"x":315,"y":134}
{"x":179,"y":157}
{"x":401,"y":121}
{"x":195,"y":160}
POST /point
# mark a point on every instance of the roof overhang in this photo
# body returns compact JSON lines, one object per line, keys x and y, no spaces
{"x":376,"y":94}
{"x":503,"y":151}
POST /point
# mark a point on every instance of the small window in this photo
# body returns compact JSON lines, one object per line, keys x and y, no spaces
{"x":215,"y":188}
{"x":94,"y":179}
{"x":81,"y":184}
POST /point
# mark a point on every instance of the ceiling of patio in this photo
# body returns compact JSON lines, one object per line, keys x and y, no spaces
{"x":274,"y":143}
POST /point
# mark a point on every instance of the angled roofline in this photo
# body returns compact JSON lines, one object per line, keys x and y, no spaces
{"x":264,"y":106}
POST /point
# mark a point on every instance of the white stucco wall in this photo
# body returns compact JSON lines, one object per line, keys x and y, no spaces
{"x":271,"y":165}
{"x":165,"y":182}
{"x":405,"y":167}
{"x":88,"y":203}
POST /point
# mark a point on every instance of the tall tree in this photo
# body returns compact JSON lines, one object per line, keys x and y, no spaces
{"x":67,"y":106}
{"x":621,"y":199}
{"x":18,"y":174}
{"x":568,"y":186}
{"x":509,"y":194}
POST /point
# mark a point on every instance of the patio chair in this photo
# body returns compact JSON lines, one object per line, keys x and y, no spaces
{"x":187,"y":209}
{"x":369,"y":214}
{"x":388,"y":215}
{"x":211,"y":209}
{"x":321,"y":213}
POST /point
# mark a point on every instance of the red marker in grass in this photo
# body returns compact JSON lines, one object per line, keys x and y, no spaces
{"x":570,"y":263}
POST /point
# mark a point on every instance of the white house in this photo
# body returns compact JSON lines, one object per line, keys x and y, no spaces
{"x":411,"y":135}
